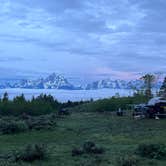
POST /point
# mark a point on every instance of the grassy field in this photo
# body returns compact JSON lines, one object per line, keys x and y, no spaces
{"x":119,"y":136}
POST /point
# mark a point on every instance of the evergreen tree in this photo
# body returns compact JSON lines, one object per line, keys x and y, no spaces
{"x":5,"y":97}
{"x":148,"y":80}
{"x":19,"y":99}
{"x":162,"y":92}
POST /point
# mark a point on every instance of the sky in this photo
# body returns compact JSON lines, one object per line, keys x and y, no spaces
{"x":82,"y":39}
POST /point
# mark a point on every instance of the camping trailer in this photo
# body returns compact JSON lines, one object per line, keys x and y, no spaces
{"x":156,"y":107}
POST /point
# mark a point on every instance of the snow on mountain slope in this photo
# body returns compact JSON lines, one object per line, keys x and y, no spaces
{"x":56,"y":81}
{"x":53,"y":81}
{"x":119,"y":84}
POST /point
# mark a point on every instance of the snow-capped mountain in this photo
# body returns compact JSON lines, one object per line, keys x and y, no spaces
{"x":119,"y":84}
{"x":53,"y":81}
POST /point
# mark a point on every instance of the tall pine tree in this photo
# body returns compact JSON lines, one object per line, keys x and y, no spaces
{"x":5,"y":98}
{"x":148,"y":81}
{"x":162,"y":92}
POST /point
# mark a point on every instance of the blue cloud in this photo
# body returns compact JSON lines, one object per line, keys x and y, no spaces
{"x":83,"y":36}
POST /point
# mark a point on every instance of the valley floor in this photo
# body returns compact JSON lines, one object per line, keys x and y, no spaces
{"x":117,"y":135}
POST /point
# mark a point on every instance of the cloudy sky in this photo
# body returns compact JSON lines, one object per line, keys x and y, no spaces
{"x":86,"y":39}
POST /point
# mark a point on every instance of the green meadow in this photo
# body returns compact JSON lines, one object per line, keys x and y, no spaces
{"x":119,"y":136}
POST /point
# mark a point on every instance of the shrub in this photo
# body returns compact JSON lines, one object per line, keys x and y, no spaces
{"x":7,"y":163}
{"x":77,"y":152}
{"x":90,"y":147}
{"x":24,"y":116}
{"x":97,"y":150}
{"x":156,"y":151}
{"x":127,"y":161}
{"x":63,"y":112}
{"x":31,"y":153}
{"x":12,"y":127}
{"x":40,"y":122}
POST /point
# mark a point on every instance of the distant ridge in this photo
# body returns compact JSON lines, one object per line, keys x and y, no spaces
{"x":57,"y":81}
{"x":120,"y":84}
{"x":53,"y":81}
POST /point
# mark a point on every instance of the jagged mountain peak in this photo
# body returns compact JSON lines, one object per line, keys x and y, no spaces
{"x":54,"y":77}
{"x":53,"y":81}
{"x":119,"y":84}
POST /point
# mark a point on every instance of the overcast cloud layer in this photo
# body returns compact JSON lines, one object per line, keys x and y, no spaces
{"x":82,"y":38}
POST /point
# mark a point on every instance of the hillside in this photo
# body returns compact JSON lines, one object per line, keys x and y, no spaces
{"x":119,"y":136}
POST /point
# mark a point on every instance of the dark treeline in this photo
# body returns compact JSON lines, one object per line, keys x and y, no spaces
{"x":43,"y":104}
{"x":46,"y":104}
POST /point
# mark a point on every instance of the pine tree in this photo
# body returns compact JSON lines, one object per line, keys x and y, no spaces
{"x":19,"y":99}
{"x":148,"y":80}
{"x":162,"y":92}
{"x":5,"y":97}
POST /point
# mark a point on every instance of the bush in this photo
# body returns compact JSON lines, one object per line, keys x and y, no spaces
{"x":63,"y":112}
{"x":127,"y":161}
{"x":77,"y":152}
{"x":12,"y":127}
{"x":97,"y":150}
{"x":155,"y":151}
{"x":7,"y":163}
{"x":90,"y":147}
{"x":31,"y":153}
{"x":87,"y":148}
{"x":41,"y":122}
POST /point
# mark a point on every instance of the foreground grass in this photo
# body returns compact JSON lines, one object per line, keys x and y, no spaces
{"x":118,"y":135}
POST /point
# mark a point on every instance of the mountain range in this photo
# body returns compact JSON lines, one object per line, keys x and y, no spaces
{"x":55,"y":81}
{"x":120,"y":84}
